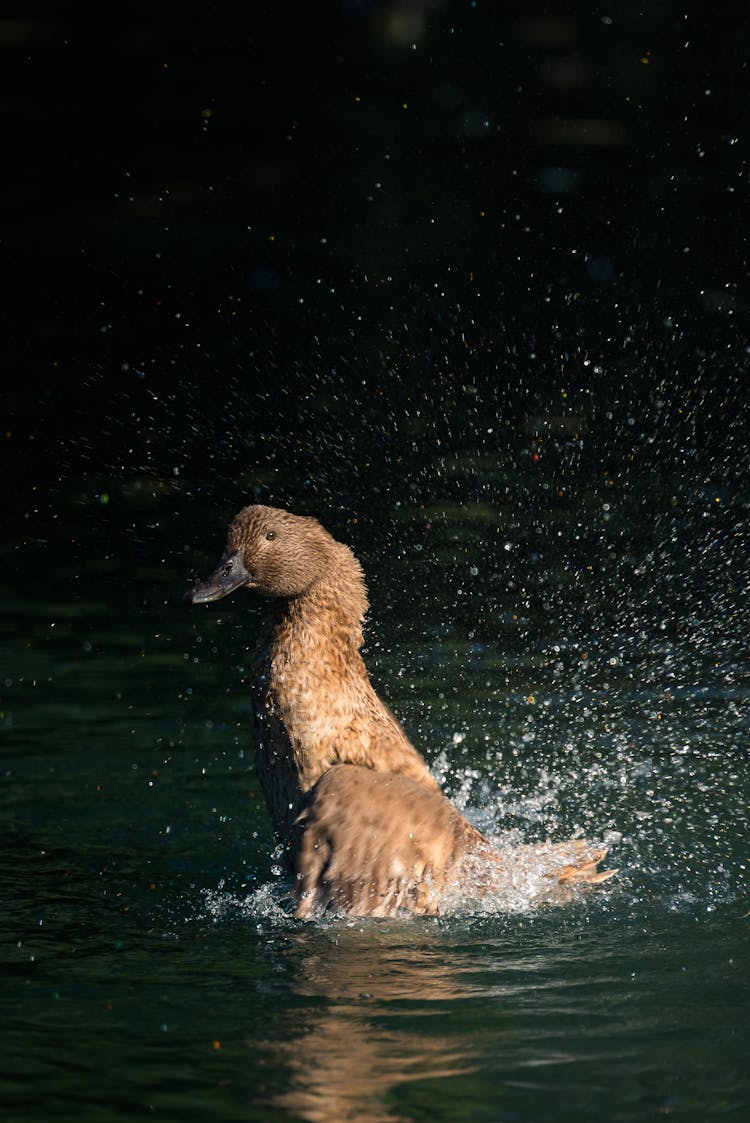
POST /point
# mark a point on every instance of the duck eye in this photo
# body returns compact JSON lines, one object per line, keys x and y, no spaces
{"x":271,"y":534}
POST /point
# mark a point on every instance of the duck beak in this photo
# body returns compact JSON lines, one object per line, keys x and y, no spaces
{"x":229,"y":575}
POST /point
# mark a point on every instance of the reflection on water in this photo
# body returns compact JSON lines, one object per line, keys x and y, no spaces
{"x":400,"y":1022}
{"x":346,"y":1056}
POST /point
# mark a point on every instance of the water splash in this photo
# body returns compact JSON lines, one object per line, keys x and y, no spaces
{"x":268,"y":904}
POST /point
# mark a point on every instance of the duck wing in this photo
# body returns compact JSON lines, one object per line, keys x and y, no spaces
{"x":374,"y":843}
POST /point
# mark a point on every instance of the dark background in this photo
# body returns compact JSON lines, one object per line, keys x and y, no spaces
{"x":329,"y":239}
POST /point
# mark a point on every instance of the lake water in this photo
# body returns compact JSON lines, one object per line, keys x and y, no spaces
{"x":574,"y":662}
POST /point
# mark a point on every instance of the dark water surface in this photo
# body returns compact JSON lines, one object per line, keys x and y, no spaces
{"x":150,"y":961}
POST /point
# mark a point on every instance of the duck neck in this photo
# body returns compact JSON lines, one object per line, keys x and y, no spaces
{"x":326,"y":618}
{"x":314,"y":700}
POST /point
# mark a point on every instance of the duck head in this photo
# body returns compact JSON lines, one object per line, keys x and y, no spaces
{"x":271,"y":551}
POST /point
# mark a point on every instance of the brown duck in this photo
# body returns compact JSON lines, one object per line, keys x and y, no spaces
{"x":365,"y":826}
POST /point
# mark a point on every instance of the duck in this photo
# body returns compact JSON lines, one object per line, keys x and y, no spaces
{"x":364,"y":827}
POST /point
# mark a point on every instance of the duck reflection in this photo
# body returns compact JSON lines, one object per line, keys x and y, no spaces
{"x":346,"y":1056}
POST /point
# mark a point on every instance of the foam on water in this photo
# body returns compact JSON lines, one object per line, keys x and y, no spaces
{"x":269,"y":903}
